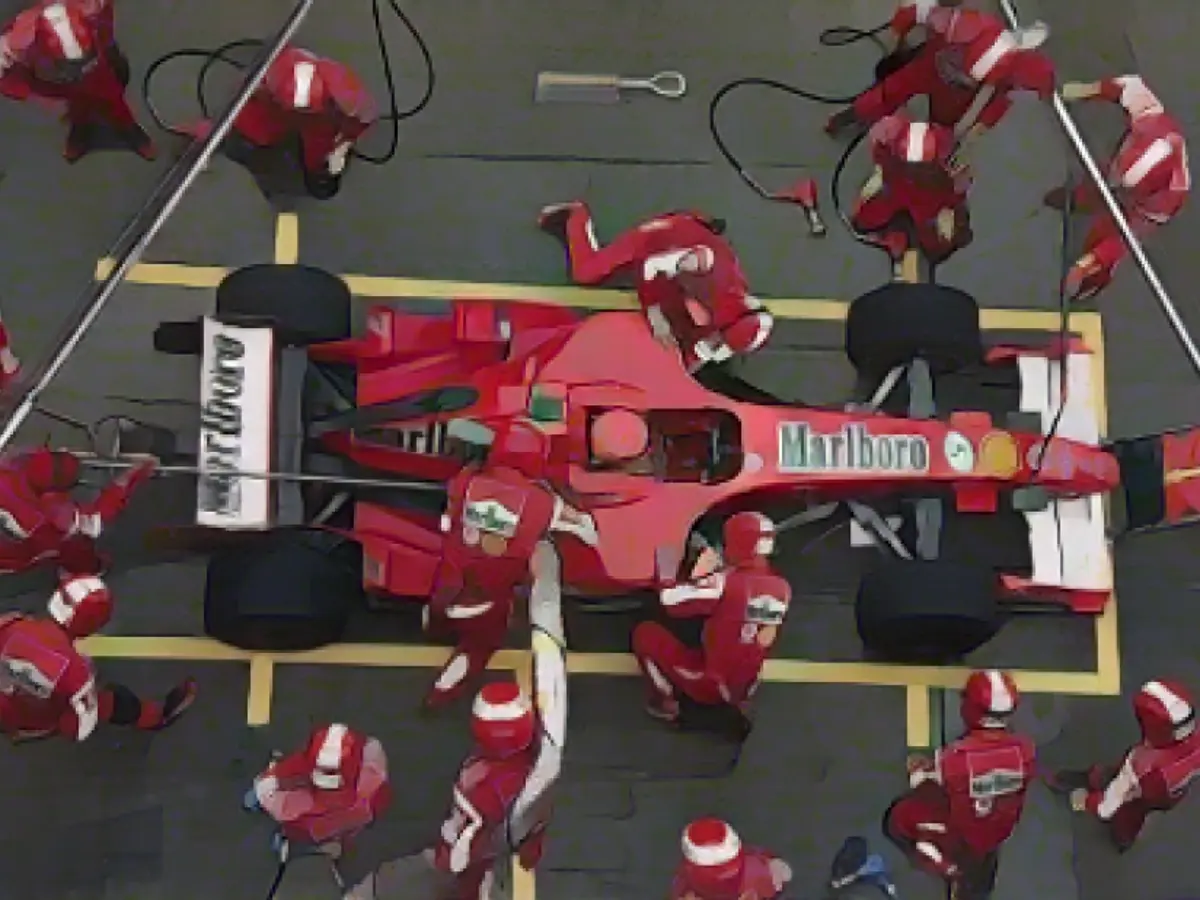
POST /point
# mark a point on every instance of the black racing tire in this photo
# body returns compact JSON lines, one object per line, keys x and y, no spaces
{"x":303,"y":304}
{"x":899,"y":322}
{"x":930,"y":612}
{"x":291,"y":591}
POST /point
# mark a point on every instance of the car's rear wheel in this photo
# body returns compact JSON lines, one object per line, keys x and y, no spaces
{"x":304,"y":305}
{"x":897,"y":323}
{"x":293,"y":591}
{"x":919,"y":611}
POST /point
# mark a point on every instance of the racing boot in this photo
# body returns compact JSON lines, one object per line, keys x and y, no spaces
{"x":141,"y":143}
{"x":843,"y":121}
{"x":665,"y":709}
{"x":553,"y":220}
{"x":79,"y":143}
{"x":178,"y":701}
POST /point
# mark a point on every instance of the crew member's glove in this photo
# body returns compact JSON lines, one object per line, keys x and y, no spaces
{"x":250,"y":801}
{"x":1079,"y":800}
{"x":873,"y":185}
{"x":781,"y":873}
{"x":945,"y":225}
{"x":1077,"y":90}
{"x":660,"y":327}
{"x":115,"y":496}
{"x":336,"y":161}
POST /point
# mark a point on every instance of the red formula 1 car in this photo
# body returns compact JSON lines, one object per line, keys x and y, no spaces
{"x":285,"y":387}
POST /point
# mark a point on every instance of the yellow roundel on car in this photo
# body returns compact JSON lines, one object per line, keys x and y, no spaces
{"x":999,"y":455}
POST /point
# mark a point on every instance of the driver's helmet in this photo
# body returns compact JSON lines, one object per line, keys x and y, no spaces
{"x":619,"y":435}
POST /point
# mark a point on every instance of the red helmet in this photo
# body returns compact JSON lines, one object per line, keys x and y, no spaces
{"x":49,"y":470}
{"x":295,"y":78}
{"x":62,"y":31}
{"x":82,"y":605}
{"x":749,"y":332}
{"x":619,"y":435}
{"x":1150,"y":164}
{"x":712,"y":855}
{"x":335,"y":753}
{"x":922,"y":142}
{"x":502,"y":720}
{"x":749,"y":536}
{"x":989,"y":697}
{"x":1165,"y":713}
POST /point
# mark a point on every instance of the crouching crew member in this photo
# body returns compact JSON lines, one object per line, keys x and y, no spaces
{"x":501,"y":797}
{"x":1148,"y":174}
{"x":497,"y":511}
{"x":40,"y":523}
{"x":966,"y":801}
{"x":716,"y":866}
{"x":1156,"y":772}
{"x":47,"y":687}
{"x":304,"y":98}
{"x":744,"y":604}
{"x":917,"y":197}
{"x":64,"y":52}
{"x":325,"y":794}
{"x":689,"y":281}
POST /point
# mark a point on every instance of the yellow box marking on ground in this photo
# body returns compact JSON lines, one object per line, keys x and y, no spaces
{"x":1104,"y":681}
{"x":287,"y":239}
{"x":189,"y":649}
{"x":262,"y":686}
{"x":917,"y":716}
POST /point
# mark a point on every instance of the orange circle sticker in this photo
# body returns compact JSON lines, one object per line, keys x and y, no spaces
{"x":492,"y":544}
{"x":998,"y":455}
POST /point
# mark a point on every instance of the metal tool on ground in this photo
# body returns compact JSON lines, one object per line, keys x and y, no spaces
{"x":572,"y":87}
{"x":96,"y":462}
{"x":854,"y":864}
{"x":804,"y":194}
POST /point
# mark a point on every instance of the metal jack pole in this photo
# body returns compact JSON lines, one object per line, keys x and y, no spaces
{"x":133,"y":253}
{"x":1118,"y":215}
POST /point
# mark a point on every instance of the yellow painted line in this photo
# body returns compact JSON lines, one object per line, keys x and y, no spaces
{"x":184,"y":649}
{"x":398,"y":656}
{"x":917,"y":716}
{"x":380,"y":287}
{"x":1108,"y":644}
{"x":262,"y":685}
{"x":287,"y":239}
{"x":167,"y":274}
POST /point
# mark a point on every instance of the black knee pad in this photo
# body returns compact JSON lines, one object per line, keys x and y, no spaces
{"x":126,"y":705}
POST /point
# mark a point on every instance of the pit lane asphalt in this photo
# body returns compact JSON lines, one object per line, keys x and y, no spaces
{"x":161,"y":818}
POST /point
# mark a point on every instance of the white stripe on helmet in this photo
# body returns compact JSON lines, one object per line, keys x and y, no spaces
{"x":1004,"y":44}
{"x":56,"y":16}
{"x":304,"y":73}
{"x":1178,"y":709}
{"x":914,"y":149}
{"x":713,"y":855}
{"x":330,"y":754}
{"x":1002,"y":700}
{"x":511,"y":711}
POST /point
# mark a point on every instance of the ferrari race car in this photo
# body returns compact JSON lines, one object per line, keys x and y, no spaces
{"x":363,"y":431}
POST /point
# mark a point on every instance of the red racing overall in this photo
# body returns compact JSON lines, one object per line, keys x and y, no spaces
{"x":689,"y":282}
{"x":495,"y":516}
{"x":913,"y":191}
{"x":40,"y":523}
{"x":968,"y":67}
{"x":744,"y":605}
{"x":1148,"y":174}
{"x":64,"y":52}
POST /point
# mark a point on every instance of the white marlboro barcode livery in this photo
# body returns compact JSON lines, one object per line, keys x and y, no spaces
{"x":236,"y":412}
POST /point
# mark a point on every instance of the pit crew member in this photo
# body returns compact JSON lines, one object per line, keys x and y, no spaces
{"x":969,"y":66}
{"x":1148,"y":174}
{"x":744,"y":604}
{"x":318,"y":102}
{"x":501,"y":794}
{"x":40,"y":523}
{"x":916,"y":194}
{"x":1154,"y":775}
{"x":497,"y":511}
{"x":325,"y":794}
{"x":716,"y":866}
{"x":63,"y":52}
{"x":47,"y":687}
{"x":689,"y":281}
{"x":965,"y":802}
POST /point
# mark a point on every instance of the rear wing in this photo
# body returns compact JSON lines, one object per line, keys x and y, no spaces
{"x":237,"y":427}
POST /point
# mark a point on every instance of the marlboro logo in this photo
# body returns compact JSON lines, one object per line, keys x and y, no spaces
{"x":491,"y":516}
{"x":853,"y":449}
{"x":766,"y":611}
